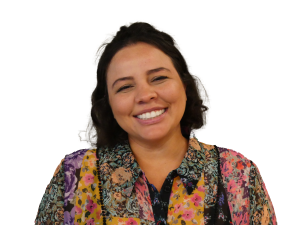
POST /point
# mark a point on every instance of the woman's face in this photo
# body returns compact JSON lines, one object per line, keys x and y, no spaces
{"x":141,"y":78}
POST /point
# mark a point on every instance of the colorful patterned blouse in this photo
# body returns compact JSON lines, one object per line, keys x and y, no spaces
{"x":212,"y":185}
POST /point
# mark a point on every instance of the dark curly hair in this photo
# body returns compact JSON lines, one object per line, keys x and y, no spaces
{"x":108,"y":131}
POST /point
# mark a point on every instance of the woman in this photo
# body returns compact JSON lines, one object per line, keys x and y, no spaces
{"x":146,"y":169}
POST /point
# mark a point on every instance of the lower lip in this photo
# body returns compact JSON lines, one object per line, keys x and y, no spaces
{"x":153,"y":120}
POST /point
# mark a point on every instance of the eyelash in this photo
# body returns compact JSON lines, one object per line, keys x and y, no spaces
{"x":128,"y":86}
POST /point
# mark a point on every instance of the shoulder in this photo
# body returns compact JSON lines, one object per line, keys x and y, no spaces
{"x":235,"y":167}
{"x":225,"y":154}
{"x":74,"y":161}
{"x":76,"y":157}
{"x":230,"y":155}
{"x":77,"y":153}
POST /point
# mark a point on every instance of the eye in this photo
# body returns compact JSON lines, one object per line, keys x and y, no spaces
{"x":160,"y":78}
{"x":155,"y":79}
{"x":124,"y":87}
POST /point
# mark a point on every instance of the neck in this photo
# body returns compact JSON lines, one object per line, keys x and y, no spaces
{"x":166,"y":154}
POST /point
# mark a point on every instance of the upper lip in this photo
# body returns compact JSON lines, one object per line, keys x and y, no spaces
{"x":149,"y":110}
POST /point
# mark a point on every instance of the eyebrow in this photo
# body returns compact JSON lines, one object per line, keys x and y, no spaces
{"x":147,"y":73}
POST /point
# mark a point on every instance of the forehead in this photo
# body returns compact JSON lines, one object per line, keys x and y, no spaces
{"x":137,"y":58}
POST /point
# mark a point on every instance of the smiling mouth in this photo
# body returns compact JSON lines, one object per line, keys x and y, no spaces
{"x":165,"y":109}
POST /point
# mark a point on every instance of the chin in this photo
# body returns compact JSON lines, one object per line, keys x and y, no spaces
{"x":153,"y":135}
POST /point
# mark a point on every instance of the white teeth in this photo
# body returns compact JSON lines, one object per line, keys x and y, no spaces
{"x":151,"y":115}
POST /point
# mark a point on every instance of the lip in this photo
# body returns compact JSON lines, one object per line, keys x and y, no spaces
{"x":153,"y":120}
{"x":149,"y":110}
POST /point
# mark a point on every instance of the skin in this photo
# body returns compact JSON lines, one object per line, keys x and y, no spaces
{"x":158,"y":148}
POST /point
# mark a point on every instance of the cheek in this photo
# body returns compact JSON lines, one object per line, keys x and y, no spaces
{"x":120,"y":107}
{"x":173,"y":93}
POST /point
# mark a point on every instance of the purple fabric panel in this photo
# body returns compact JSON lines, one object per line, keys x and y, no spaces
{"x":72,"y":166}
{"x":69,"y":217}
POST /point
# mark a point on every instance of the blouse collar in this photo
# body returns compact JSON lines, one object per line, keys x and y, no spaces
{"x":119,"y":166}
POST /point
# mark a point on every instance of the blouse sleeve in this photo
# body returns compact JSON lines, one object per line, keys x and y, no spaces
{"x":261,"y":208}
{"x":51,"y":209}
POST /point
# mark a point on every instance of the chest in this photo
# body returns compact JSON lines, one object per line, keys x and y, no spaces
{"x":133,"y":204}
{"x":130,"y":203}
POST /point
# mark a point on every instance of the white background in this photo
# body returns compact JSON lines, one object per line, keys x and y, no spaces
{"x":246,"y":54}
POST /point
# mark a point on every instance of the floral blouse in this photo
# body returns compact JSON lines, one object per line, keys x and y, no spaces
{"x":212,"y":185}
{"x":160,"y":202}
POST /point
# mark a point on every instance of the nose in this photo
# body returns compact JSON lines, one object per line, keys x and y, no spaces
{"x":145,"y":93}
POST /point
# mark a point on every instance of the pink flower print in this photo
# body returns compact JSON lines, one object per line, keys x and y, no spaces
{"x":201,"y":189}
{"x":188,"y":214}
{"x":131,"y":221}
{"x":91,"y":206}
{"x":231,"y":186}
{"x":88,"y":179}
{"x":196,"y":199}
{"x":178,"y":207}
{"x":234,"y":153}
{"x":90,"y":221}
{"x":243,"y":177}
{"x":78,"y":210}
